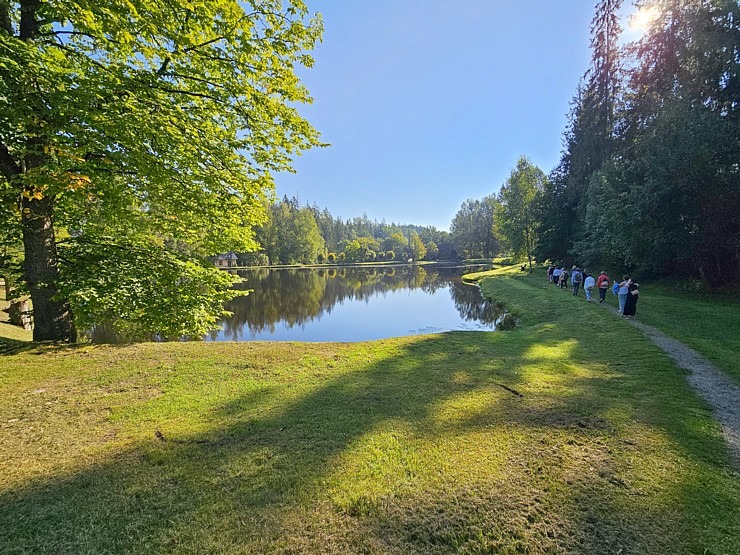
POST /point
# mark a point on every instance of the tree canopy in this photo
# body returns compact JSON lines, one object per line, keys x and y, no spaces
{"x":157,"y":123}
{"x":649,"y":179}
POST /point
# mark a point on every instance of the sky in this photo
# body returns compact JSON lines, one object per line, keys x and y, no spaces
{"x":428,"y":103}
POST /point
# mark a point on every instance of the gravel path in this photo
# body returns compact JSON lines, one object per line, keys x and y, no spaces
{"x":713,"y":385}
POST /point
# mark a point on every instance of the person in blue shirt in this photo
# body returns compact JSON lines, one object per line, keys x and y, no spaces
{"x":576,"y":278}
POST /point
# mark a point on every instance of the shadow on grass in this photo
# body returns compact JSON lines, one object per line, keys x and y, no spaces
{"x":264,"y":478}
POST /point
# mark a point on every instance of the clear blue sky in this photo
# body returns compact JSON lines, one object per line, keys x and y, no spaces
{"x":427,"y":103}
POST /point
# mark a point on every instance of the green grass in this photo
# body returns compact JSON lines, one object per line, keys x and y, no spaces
{"x":572,"y":434}
{"x":11,"y":337}
{"x":708,"y":323}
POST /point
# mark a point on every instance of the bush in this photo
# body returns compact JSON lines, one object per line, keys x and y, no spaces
{"x":331,"y":258}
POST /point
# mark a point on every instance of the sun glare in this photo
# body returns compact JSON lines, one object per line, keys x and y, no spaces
{"x":642,"y":18}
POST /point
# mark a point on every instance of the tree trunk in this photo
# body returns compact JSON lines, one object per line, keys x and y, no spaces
{"x":52,"y":318}
{"x":19,"y":313}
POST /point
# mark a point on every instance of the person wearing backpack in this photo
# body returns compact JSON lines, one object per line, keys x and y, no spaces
{"x":602,"y":282}
{"x":577,"y":278}
{"x":564,"y":279}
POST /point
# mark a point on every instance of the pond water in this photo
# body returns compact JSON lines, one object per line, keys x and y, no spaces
{"x":356,"y":304}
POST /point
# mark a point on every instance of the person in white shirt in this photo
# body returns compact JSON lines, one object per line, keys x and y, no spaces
{"x":588,"y":286}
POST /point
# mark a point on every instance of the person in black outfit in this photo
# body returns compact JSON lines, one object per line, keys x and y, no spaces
{"x":630,"y":305}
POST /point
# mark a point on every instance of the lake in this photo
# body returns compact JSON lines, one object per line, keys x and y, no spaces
{"x":356,"y":304}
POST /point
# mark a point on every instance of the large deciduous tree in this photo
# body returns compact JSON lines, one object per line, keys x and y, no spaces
{"x":158,"y":123}
{"x":517,"y":217}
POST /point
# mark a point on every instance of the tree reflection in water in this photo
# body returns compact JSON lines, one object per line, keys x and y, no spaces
{"x":295,"y":297}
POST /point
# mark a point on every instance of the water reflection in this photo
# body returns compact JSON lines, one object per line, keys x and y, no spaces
{"x":354,"y":304}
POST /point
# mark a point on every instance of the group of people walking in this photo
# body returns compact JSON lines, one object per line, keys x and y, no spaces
{"x":627,"y":290}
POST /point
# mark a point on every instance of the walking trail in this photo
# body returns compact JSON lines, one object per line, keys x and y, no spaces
{"x":712,"y":384}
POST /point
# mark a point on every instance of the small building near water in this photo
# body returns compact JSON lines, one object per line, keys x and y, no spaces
{"x":227,"y":260}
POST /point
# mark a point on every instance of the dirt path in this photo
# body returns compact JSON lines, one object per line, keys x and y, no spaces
{"x":711,"y":383}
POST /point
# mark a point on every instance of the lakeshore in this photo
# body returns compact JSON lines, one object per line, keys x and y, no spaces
{"x":571,"y":434}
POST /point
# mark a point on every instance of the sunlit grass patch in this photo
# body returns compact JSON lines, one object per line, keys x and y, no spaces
{"x":568,"y":435}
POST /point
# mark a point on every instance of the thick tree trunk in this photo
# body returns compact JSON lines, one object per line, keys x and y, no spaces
{"x":52,"y":318}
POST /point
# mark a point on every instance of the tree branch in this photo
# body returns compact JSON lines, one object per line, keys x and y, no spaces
{"x":198,"y":79}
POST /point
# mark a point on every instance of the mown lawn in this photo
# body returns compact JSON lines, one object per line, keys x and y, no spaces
{"x":572,"y":434}
{"x":708,"y":323}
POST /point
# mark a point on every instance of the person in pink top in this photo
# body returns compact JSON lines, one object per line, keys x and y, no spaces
{"x":602,"y":283}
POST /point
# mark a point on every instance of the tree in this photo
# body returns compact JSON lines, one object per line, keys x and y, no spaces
{"x":432,"y":250}
{"x":395,"y":242}
{"x":472,"y":228}
{"x":589,"y":141}
{"x":683,"y":121}
{"x":516,"y":218}
{"x":417,"y":250}
{"x":146,"y":121}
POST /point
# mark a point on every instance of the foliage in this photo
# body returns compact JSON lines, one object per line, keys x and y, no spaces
{"x":290,"y":235}
{"x":516,"y":217}
{"x":253,"y":259}
{"x":649,"y":179}
{"x":432,"y":251}
{"x":159,"y":119}
{"x":417,"y":250}
{"x":472,"y":228}
{"x":293,"y":234}
{"x":141,"y":290}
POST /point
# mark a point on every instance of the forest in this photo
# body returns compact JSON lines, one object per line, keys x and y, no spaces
{"x":649,"y":176}
{"x":648,"y":179}
{"x":295,"y":234}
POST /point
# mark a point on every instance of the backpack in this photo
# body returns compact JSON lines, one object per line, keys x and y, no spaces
{"x":577,"y":277}
{"x":615,"y":288}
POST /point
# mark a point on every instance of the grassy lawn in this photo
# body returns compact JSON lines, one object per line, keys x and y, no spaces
{"x":708,"y":323}
{"x":572,"y":434}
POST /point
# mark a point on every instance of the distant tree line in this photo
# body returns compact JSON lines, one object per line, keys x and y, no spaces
{"x":295,"y":234}
{"x":649,"y":177}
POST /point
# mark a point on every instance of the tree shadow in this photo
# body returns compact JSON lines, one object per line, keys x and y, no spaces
{"x":263,"y":478}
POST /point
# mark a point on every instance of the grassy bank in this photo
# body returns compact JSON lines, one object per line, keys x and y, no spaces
{"x":708,"y":323}
{"x":571,"y":434}
{"x":705,"y":321}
